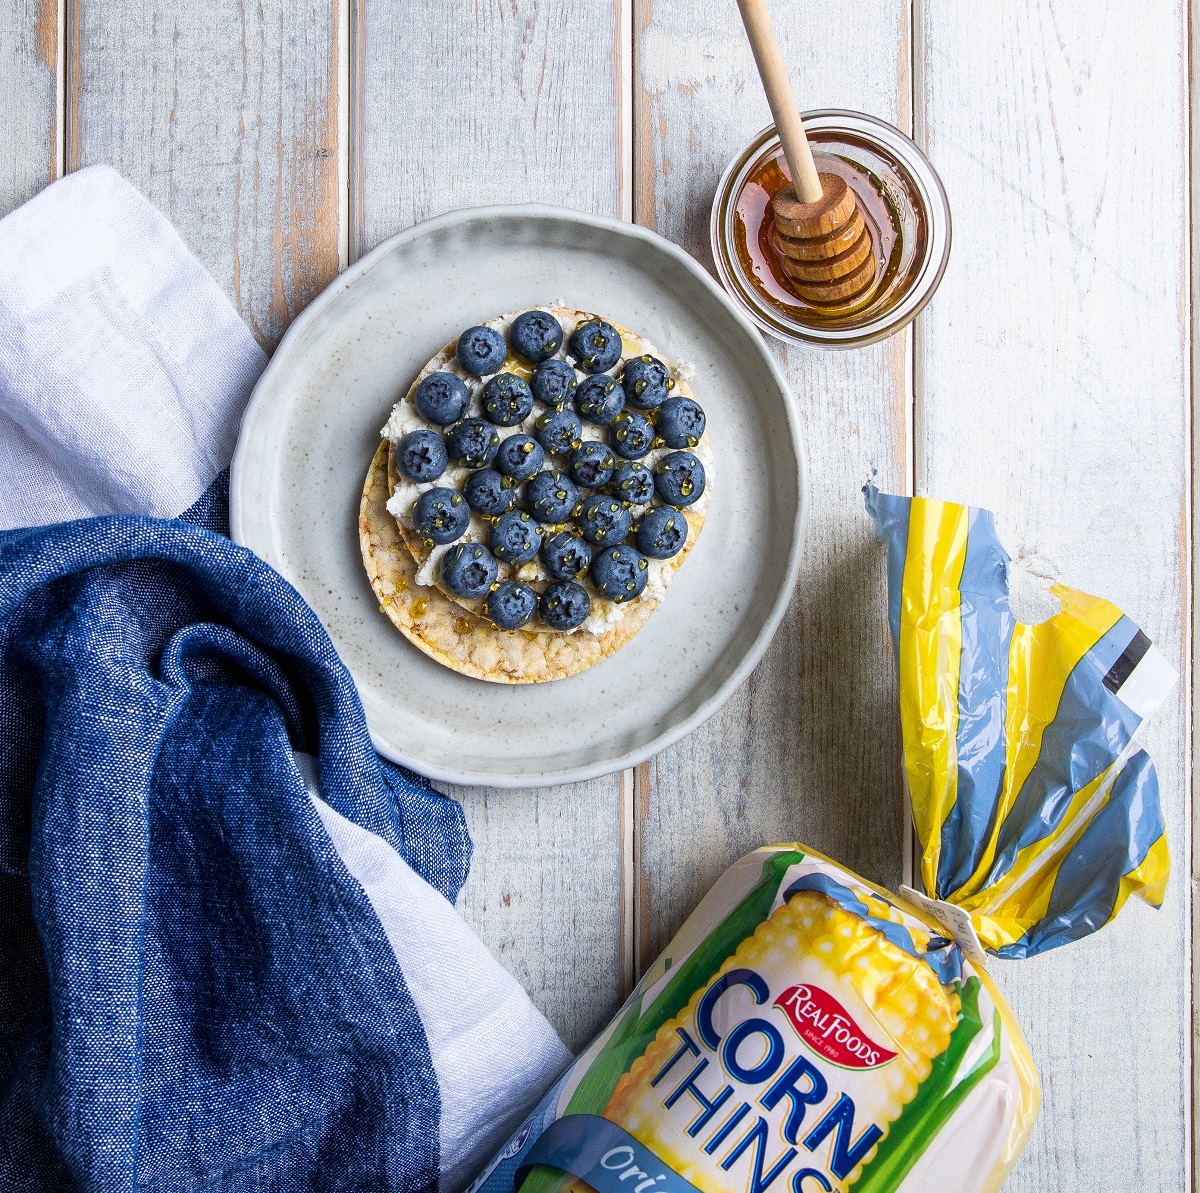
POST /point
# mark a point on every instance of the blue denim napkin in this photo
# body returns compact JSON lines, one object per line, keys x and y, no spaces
{"x":196,"y":992}
{"x":228,"y":953}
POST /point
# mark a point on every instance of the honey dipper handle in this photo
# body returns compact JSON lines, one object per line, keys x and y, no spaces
{"x":779,"y":95}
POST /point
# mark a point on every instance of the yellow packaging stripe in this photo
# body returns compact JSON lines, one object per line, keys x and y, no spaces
{"x":929,"y":649}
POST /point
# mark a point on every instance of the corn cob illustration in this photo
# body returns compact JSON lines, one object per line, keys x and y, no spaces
{"x":687,"y":1102}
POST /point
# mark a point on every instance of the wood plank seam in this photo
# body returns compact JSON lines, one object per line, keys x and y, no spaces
{"x":72,"y":131}
{"x":641,"y":907}
{"x":627,"y":813}
{"x":628,"y":810}
{"x":58,"y":70}
{"x":343,"y":33}
{"x":1193,"y":241}
{"x":625,"y":68}
{"x":1188,"y":298}
{"x":641,"y":203}
{"x":355,"y":219}
{"x":910,"y":863}
{"x":60,"y":92}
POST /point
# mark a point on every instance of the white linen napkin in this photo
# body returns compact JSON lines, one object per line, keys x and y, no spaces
{"x":124,"y":371}
{"x":123,"y":368}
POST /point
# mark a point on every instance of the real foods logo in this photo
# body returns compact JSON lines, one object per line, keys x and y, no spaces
{"x":829,"y":1029}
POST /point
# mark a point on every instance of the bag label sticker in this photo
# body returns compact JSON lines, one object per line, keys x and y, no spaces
{"x":953,"y":920}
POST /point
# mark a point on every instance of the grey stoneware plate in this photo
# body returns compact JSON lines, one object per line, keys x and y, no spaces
{"x":313,"y":424}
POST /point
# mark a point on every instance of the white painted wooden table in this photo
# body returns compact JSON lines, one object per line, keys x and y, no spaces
{"x":1051,"y":379}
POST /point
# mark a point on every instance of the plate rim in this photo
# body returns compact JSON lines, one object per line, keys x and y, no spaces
{"x":766,"y":632}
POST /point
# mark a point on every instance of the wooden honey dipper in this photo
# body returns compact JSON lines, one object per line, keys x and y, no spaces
{"x":828,"y":252}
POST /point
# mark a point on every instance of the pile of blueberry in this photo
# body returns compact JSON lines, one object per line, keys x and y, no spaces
{"x":528,"y":487}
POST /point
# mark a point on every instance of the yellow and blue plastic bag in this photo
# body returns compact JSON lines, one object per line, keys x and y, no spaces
{"x":806,"y":1031}
{"x":1035,"y":811}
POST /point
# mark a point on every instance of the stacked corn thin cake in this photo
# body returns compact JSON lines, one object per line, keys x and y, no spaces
{"x":404,"y":569}
{"x":787,"y":1069}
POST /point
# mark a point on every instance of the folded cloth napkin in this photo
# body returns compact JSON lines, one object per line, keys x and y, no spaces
{"x":229,"y":957}
{"x":123,"y":368}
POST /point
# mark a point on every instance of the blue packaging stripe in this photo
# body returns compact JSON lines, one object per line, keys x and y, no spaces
{"x":1090,"y":729}
{"x":604,"y":1155}
{"x":891,"y":526}
{"x":945,"y":960}
{"x":1115,"y":842}
{"x":987,"y":630}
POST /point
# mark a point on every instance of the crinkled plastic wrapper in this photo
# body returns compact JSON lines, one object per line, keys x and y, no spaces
{"x":806,"y":1031}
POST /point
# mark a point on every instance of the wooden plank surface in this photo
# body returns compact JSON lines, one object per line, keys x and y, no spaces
{"x":1053,"y":387}
{"x":808,"y":748}
{"x":544,"y":893}
{"x":504,"y":103}
{"x":28,"y":96}
{"x":225,"y":115}
{"x":508,"y":103}
{"x":1056,"y":393}
{"x":1194,"y":819}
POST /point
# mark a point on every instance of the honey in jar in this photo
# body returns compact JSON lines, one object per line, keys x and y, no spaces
{"x":903,"y":206}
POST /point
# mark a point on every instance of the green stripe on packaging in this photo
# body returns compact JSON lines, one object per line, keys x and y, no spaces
{"x":939,"y":1095}
{"x":635,"y":1031}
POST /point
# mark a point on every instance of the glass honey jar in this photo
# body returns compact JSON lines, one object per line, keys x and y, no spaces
{"x":902,"y":201}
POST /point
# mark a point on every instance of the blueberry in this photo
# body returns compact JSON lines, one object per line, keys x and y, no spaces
{"x":632,"y":482}
{"x":507,"y":400}
{"x":646,"y":381}
{"x":600,"y":399}
{"x":558,"y":431}
{"x":679,"y":478}
{"x":535,"y":335}
{"x":631,"y":435}
{"x":421,"y":455}
{"x":565,"y":556}
{"x":680,"y":422}
{"x":596,"y":345}
{"x":620,"y":573}
{"x":472,"y":443}
{"x":441,"y":516}
{"x":662,"y":533}
{"x":468,"y":570}
{"x":489,"y":494}
{"x":551,"y":496}
{"x":480,"y":351}
{"x":515,"y":537}
{"x":510,"y":605}
{"x":441,"y":398}
{"x":604,"y":520}
{"x":565,"y":605}
{"x":553,"y":383}
{"x":520,"y":457}
{"x":591,"y":465}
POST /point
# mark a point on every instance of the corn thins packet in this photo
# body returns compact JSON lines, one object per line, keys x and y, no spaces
{"x":806,"y":1031}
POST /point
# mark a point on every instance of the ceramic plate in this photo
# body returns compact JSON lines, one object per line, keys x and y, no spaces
{"x":313,"y":424}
